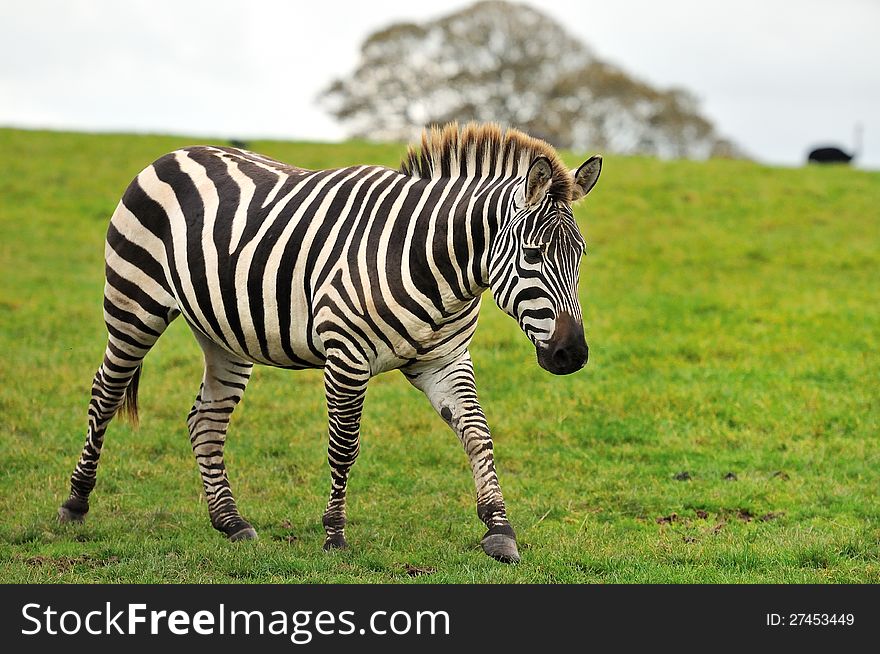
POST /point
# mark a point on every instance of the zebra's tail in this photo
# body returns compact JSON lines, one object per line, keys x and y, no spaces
{"x":129,"y":409}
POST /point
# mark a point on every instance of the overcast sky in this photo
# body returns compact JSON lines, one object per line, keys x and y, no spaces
{"x":776,"y":76}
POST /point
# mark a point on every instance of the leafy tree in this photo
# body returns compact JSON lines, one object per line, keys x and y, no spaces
{"x":509,"y":63}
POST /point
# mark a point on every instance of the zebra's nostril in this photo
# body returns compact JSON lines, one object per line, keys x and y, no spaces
{"x":561,"y":357}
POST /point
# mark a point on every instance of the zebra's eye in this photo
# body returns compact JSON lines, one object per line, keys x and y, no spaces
{"x":532,"y":255}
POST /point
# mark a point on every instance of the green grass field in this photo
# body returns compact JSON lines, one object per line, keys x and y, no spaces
{"x":733,"y":315}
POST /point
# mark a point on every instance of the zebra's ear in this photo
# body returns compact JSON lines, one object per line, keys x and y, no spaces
{"x":585,"y":177}
{"x":538,"y":180}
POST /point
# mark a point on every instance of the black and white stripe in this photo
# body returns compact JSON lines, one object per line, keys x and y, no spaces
{"x":355,"y":270}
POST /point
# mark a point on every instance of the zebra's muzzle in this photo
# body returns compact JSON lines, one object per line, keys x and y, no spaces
{"x":566,"y":351}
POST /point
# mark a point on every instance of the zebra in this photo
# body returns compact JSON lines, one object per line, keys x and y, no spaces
{"x":356,"y":270}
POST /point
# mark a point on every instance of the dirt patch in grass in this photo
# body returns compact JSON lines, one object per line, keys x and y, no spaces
{"x":767,"y":517}
{"x":741,"y":514}
{"x":417,"y":571}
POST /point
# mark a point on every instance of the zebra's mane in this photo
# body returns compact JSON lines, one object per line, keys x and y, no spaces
{"x":484,"y":150}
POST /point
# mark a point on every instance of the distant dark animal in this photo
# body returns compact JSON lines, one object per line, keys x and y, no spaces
{"x":829,"y":154}
{"x":832,"y":154}
{"x":236,"y":143}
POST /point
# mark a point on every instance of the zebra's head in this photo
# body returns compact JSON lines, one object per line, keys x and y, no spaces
{"x":533,"y":270}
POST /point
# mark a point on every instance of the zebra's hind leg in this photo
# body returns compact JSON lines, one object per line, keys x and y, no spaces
{"x":114,"y":386}
{"x":453,"y":393}
{"x":118,"y":373}
{"x":224,"y":382}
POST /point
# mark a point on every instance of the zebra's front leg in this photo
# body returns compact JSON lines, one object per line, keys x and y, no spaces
{"x":452,"y":390}
{"x":345,"y":385}
{"x":223,"y":385}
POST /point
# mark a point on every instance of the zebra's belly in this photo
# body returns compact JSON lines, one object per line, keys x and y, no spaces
{"x":254,"y":323}
{"x":297,"y":348}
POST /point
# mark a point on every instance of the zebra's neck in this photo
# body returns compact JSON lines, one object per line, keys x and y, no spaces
{"x":465,"y":217}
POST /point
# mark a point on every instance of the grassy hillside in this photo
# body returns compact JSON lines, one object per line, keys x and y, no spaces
{"x":733,"y":314}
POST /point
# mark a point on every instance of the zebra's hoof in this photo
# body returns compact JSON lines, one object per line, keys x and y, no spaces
{"x":248,"y":533}
{"x":500,"y":544}
{"x":335,"y":542}
{"x":67,"y":515}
